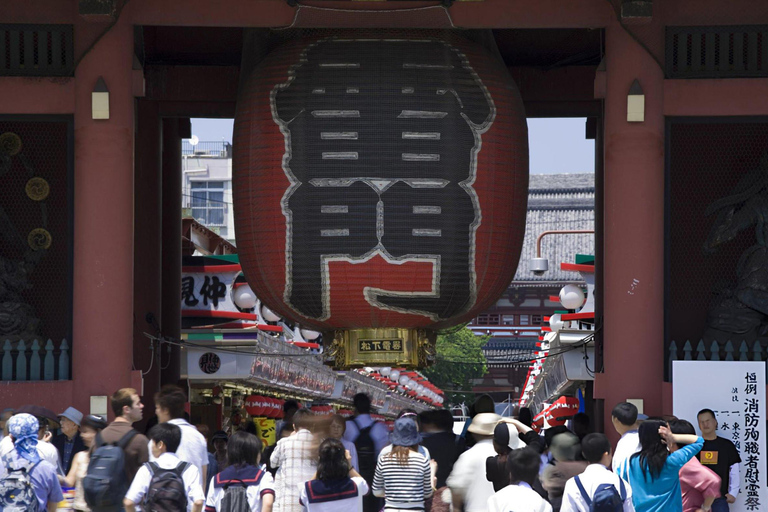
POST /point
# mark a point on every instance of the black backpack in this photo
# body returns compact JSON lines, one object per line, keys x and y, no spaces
{"x":606,"y":498}
{"x":366,"y":452}
{"x":166,"y":491}
{"x":105,"y":482}
{"x":235,"y":499}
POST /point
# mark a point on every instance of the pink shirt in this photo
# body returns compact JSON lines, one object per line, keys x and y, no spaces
{"x":697,"y":483}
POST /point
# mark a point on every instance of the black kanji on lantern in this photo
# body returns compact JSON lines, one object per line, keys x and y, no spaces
{"x":382,"y":138}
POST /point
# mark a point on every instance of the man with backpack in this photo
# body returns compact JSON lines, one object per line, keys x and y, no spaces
{"x":193,"y":448}
{"x":369,"y":437}
{"x":118,"y":453}
{"x":167,"y":484}
{"x":597,"y":489}
{"x":27,"y":483}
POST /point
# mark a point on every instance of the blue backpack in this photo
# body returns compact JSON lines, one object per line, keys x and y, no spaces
{"x":606,"y":498}
{"x":16,"y":491}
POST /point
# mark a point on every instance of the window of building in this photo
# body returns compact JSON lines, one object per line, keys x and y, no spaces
{"x":488,"y":320}
{"x":535,"y":319}
{"x":208,"y":206}
{"x":525,"y":319}
{"x":508,"y":320}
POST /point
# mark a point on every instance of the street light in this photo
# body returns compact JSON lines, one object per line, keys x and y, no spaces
{"x":540,"y":265}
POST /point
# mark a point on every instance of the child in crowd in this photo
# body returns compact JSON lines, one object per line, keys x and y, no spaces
{"x":337,"y":487}
{"x":164,"y":441}
{"x":242,"y":482}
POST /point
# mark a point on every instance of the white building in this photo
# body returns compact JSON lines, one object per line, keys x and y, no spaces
{"x":207,"y":186}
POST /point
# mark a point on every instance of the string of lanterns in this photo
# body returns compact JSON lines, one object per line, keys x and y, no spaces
{"x":409,"y":383}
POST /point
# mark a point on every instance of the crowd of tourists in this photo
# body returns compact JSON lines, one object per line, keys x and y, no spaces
{"x":317,"y":464}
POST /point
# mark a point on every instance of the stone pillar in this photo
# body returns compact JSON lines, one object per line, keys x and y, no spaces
{"x":633,"y":223}
{"x":103,"y":224}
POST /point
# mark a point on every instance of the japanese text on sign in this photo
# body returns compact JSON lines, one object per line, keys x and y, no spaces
{"x":735,"y":392}
{"x":380,"y":346}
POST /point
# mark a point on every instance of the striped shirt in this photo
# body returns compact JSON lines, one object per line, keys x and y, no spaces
{"x":403,"y":486}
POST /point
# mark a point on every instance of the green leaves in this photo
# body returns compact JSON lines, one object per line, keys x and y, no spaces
{"x":459,"y":360}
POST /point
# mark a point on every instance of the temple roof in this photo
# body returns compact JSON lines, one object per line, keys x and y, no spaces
{"x":556,"y":202}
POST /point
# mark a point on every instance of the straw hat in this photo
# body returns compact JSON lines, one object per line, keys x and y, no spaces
{"x":484,"y":423}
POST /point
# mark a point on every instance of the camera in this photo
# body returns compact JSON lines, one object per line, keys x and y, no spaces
{"x":539,"y":266}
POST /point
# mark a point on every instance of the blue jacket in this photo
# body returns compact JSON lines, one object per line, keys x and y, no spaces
{"x":661,"y":494}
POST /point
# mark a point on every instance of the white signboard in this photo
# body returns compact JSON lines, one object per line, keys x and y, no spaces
{"x":735,"y":391}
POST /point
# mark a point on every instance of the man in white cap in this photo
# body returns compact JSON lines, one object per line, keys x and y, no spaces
{"x":69,"y":441}
{"x":468,"y":483}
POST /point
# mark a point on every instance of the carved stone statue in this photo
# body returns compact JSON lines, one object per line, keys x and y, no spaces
{"x":740,"y":309}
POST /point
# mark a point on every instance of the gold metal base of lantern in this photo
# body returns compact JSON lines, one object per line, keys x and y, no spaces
{"x":383,"y":346}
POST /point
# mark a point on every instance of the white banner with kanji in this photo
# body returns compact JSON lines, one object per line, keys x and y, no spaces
{"x":735,"y":391}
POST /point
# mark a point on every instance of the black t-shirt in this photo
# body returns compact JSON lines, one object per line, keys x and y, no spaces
{"x":719,"y":455}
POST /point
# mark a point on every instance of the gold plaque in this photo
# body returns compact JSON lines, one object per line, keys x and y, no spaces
{"x":37,"y":189}
{"x":386,"y":346}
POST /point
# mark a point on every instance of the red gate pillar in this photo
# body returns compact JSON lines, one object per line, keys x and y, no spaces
{"x":171,"y":226}
{"x":633,"y":288}
{"x":148,"y":268}
{"x":103,"y":232}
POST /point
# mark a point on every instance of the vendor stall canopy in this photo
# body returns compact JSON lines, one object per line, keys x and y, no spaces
{"x":380,"y":178}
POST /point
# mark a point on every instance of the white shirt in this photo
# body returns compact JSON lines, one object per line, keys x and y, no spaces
{"x":47,"y":451}
{"x":353,"y":504}
{"x":593,"y":476}
{"x":192,"y":448}
{"x":468,"y":477}
{"x":628,"y":445}
{"x":191,"y":478}
{"x":518,"y":498}
{"x":253,"y":492}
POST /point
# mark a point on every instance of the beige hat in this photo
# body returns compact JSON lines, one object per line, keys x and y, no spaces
{"x":484,"y":423}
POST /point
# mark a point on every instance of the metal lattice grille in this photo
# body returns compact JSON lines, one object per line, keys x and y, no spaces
{"x":716,"y":245}
{"x":36,"y":50}
{"x":36,"y":247}
{"x":717,"y":51}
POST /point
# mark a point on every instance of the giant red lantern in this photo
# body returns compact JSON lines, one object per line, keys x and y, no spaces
{"x":380,"y":187}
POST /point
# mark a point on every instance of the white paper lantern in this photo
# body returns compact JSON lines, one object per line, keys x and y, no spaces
{"x":394,"y":375}
{"x":556,"y":322}
{"x":244,"y":297}
{"x":404,"y":380}
{"x":571,"y":296}
{"x":268,"y":314}
{"x":309,"y":334}
{"x":385,"y":371}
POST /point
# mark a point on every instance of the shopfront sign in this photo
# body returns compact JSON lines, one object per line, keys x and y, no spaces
{"x":735,"y":391}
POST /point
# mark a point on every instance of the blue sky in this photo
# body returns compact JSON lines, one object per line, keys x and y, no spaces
{"x":556,"y":145}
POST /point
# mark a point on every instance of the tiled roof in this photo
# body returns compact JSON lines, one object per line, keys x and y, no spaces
{"x":558,"y":201}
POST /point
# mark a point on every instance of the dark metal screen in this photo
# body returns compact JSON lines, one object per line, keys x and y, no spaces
{"x":717,"y":258}
{"x":717,"y":51}
{"x":36,"y":249}
{"x":36,"y":50}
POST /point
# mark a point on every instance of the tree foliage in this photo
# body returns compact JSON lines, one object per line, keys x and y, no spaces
{"x":459,"y":360}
